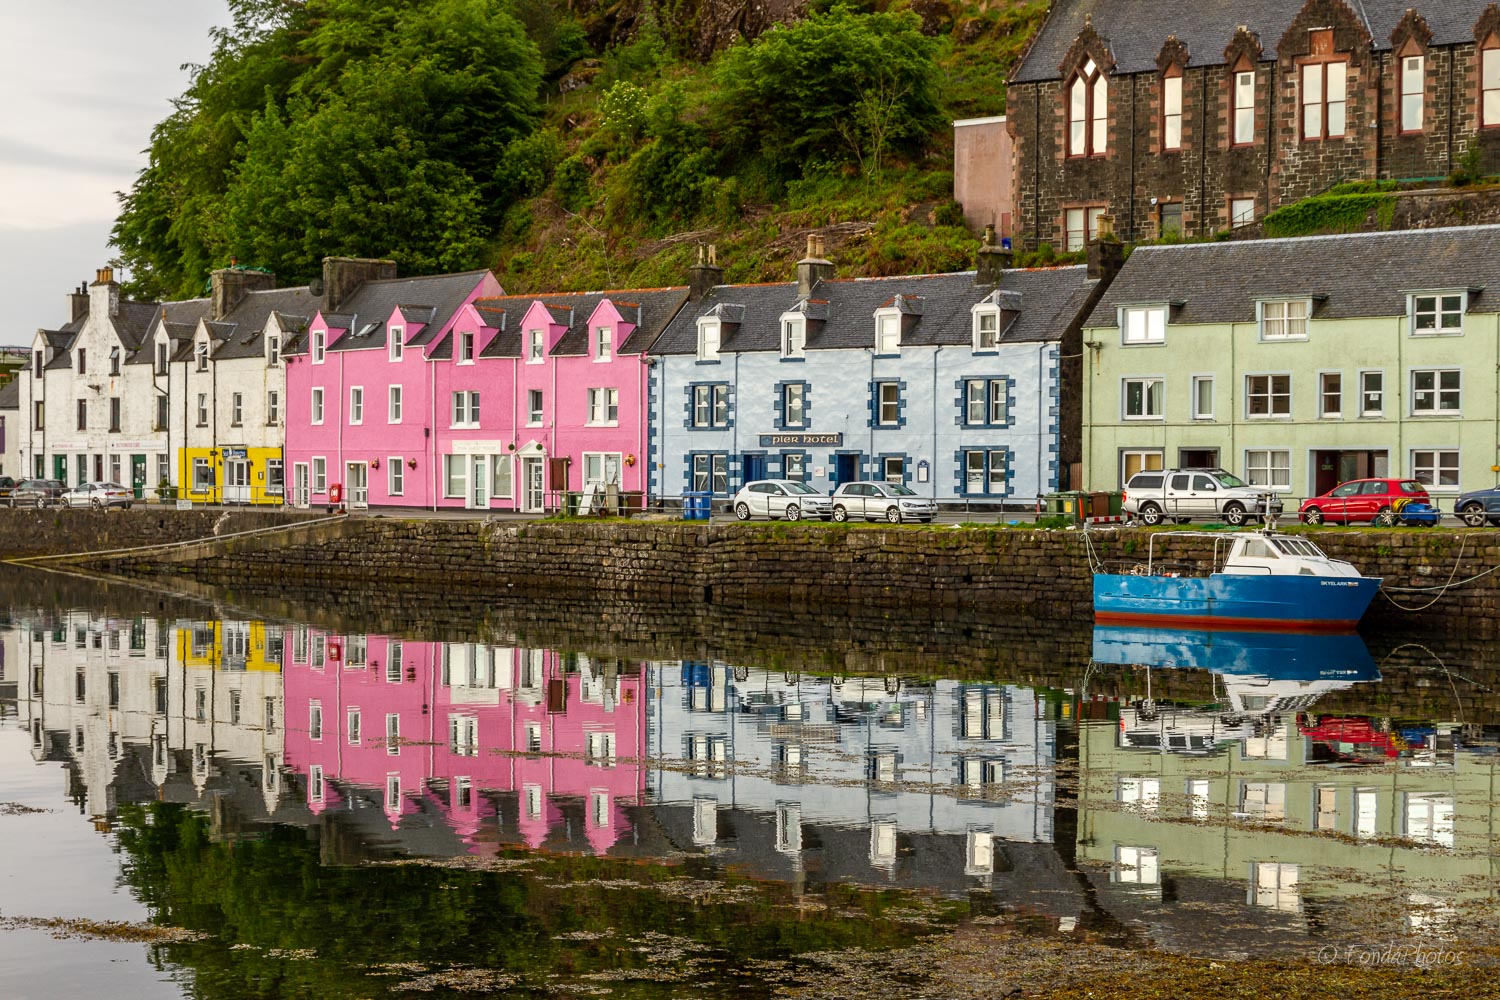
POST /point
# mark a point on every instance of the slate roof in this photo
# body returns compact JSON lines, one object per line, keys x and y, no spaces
{"x":10,"y":394}
{"x":1135,"y":30}
{"x":430,"y":300}
{"x":1355,"y":275}
{"x":841,"y":313}
{"x":243,"y":330}
{"x":649,"y":309}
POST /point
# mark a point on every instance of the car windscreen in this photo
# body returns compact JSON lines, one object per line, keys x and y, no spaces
{"x":1411,"y":486}
{"x":800,"y":489}
{"x":897,"y":490}
{"x":1230,"y":480}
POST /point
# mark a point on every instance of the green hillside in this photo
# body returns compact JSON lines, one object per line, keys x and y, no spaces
{"x":567,"y":144}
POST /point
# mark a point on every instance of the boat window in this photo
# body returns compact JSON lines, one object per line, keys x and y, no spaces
{"x":1256,"y":548}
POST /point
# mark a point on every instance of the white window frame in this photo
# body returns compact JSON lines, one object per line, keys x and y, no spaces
{"x":464,"y":408}
{"x":1171,"y":110}
{"x":1271,"y":395}
{"x":1199,"y":413}
{"x":1268,"y":465}
{"x":603,"y":343}
{"x":318,"y":478}
{"x":535,"y":415}
{"x":1143,"y":325}
{"x":1081,"y":226}
{"x":1489,"y":86}
{"x":273,"y":407}
{"x":356,"y":405}
{"x":1413,"y":91}
{"x":273,"y":351}
{"x":1324,"y":413}
{"x":393,"y":403}
{"x":1439,"y":311}
{"x":396,"y":343}
{"x":1437,"y":392}
{"x":1430,"y":461}
{"x":981,"y":313}
{"x":1364,"y":411}
{"x":236,"y":409}
{"x":319,"y":346}
{"x":604,"y":407}
{"x":536,"y":347}
{"x":881,"y":403}
{"x":604,"y":460}
{"x":202,"y":410}
{"x":785,"y":405}
{"x":887,"y":331}
{"x":1160,"y":397}
{"x":1241,"y":212}
{"x":1126,"y":454}
{"x":502,"y":469}
{"x":1243,"y":100}
{"x":1276,"y":321}
{"x":468,"y":344}
{"x":315,"y":405}
{"x":395,"y":477}
{"x":793,"y":336}
{"x":456,"y":477}
{"x":709,"y":338}
{"x":200,"y":358}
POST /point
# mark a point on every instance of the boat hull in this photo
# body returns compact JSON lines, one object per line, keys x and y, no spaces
{"x":1225,"y":600}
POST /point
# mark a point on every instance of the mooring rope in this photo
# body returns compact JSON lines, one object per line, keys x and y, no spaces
{"x":168,"y":546}
{"x":1441,"y":590}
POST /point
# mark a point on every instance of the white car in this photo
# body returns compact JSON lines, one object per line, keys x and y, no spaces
{"x":98,"y":496}
{"x":780,"y":498}
{"x":892,"y":501}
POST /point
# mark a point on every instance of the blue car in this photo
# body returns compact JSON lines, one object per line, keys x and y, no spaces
{"x":1477,"y":507}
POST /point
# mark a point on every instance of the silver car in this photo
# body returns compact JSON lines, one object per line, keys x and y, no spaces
{"x":98,"y":496}
{"x":892,"y":501}
{"x":782,"y":498}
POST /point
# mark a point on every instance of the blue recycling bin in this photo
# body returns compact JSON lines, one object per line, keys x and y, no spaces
{"x":696,"y":505}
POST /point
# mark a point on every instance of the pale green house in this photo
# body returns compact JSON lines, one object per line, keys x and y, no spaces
{"x":1300,"y":363}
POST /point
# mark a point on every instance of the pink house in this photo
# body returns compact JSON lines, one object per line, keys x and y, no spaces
{"x":453,"y":729}
{"x":361,"y":403}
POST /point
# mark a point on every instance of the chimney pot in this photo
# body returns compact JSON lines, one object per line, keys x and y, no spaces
{"x":704,"y":275}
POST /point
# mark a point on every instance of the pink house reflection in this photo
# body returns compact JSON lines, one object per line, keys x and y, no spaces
{"x":502,"y":743}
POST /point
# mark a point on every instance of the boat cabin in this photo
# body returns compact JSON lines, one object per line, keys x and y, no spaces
{"x":1282,"y":555}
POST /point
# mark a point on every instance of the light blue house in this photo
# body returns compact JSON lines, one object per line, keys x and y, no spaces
{"x":948,"y":383}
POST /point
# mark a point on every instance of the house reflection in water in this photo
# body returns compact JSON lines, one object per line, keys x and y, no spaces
{"x":1262,"y":807}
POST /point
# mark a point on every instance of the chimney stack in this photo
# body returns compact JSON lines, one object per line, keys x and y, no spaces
{"x":1106,"y":255}
{"x":813,"y":268}
{"x":342,"y":277}
{"x":78,"y":302}
{"x":104,"y":280}
{"x":704,"y":275}
{"x":993,"y":259}
{"x":230,"y":285}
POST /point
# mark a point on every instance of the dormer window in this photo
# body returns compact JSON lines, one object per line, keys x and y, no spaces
{"x":397,"y":343}
{"x":1283,"y":319}
{"x":114,"y":361}
{"x":273,"y":351}
{"x":793,"y":337}
{"x":1437,"y":313}
{"x":319,"y":346}
{"x":986,"y":329}
{"x":1143,"y":324}
{"x":536,"y":346}
{"x":161,"y":359}
{"x":200,"y":353}
{"x":888,"y":332}
{"x":1088,"y":102}
{"x":603,"y":343}
{"x":466,"y":348}
{"x":83,"y":362}
{"x":708,"y":339}
{"x":37,"y":361}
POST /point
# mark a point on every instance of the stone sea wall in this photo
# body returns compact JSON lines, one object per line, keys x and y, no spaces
{"x":991,"y":572}
{"x":27,"y":532}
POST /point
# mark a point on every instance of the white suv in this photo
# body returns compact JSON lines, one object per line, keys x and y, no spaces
{"x":779,"y":498}
{"x":1183,"y":494}
{"x":892,"y":501}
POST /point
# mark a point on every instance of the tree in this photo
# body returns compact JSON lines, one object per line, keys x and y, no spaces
{"x":802,"y":92}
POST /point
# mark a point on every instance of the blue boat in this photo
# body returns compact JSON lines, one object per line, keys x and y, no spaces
{"x":1340,"y":657}
{"x":1264,"y":580}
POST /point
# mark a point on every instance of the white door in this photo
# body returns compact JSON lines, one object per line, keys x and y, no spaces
{"x":357,"y":484}
{"x":300,"y":494}
{"x":479,"y":483}
{"x":533,"y":493}
{"x":236,"y":481}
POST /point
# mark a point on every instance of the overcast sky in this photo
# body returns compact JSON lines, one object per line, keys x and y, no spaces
{"x":86,"y":81}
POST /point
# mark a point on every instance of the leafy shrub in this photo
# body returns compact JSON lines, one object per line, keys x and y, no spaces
{"x":527,"y":165}
{"x":571,"y":182}
{"x":622,"y":111}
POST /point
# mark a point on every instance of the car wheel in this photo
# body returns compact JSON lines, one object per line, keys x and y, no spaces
{"x":1473,"y":515}
{"x":793,"y":512}
{"x":1312,"y":516}
{"x":1150,"y":515}
{"x":97,"y":504}
{"x":127,"y":505}
{"x":742,"y":511}
{"x":41,"y":502}
{"x":1384,"y":518}
{"x":893,"y":515}
{"x":1234,"y":514}
{"x":840,"y":514}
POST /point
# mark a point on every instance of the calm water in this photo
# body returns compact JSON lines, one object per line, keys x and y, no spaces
{"x":308,"y":804}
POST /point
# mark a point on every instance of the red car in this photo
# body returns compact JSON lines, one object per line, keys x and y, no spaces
{"x":1373,"y":500}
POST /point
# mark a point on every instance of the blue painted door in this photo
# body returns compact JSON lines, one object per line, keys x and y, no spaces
{"x":754,"y":467}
